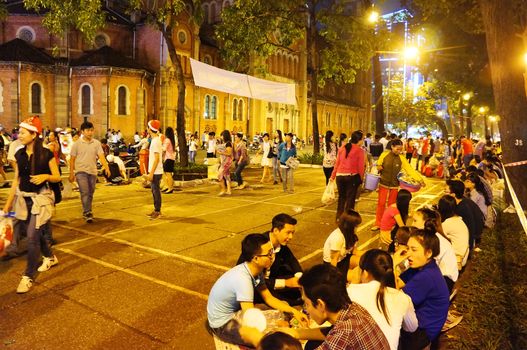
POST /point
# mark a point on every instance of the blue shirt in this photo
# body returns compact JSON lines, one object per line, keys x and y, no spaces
{"x":284,"y":154}
{"x":234,"y":286}
{"x":429,"y":292}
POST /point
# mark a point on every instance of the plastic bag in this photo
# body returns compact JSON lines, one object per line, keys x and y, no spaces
{"x":328,"y":196}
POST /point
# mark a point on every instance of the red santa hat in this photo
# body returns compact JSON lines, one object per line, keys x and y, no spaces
{"x":154,"y":125}
{"x":32,"y":124}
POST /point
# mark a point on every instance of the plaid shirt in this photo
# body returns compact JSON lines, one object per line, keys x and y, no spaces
{"x":355,"y":329}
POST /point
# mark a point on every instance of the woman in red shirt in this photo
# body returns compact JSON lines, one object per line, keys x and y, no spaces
{"x":349,"y":172}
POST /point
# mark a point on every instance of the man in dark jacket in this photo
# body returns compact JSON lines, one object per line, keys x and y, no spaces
{"x":468,"y":210}
{"x":282,"y":277}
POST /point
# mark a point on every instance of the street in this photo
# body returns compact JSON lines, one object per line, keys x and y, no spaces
{"x":125,"y":282}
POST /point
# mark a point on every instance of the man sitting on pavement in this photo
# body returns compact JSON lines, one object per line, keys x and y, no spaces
{"x":282,"y":277}
{"x":234,"y":290}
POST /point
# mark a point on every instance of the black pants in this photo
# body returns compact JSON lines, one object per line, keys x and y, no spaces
{"x":327,"y":173}
{"x":413,"y":341}
{"x":409,"y":157}
{"x":347,"y":187}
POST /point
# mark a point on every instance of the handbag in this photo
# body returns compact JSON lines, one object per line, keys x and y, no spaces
{"x":292,"y":163}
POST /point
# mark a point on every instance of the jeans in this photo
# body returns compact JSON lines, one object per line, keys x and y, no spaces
{"x":156,"y":191}
{"x":87,"y":188}
{"x":276,"y":169}
{"x":36,"y":242}
{"x":347,"y":187}
{"x":327,"y":173}
{"x":384,"y":193}
{"x":192,"y":155}
{"x":287,"y":178}
{"x":238,"y":173}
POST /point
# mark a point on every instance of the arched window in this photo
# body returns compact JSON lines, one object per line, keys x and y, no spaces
{"x":234,"y":109}
{"x":36,"y":98}
{"x":206,"y":13}
{"x":206,"y":112}
{"x":214,"y":107}
{"x":122,"y":100}
{"x":86,"y":100}
{"x":328,"y":119}
{"x":212,"y":13}
{"x":240,"y":110}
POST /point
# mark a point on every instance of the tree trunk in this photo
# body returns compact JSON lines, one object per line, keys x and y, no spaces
{"x":469,"y":118}
{"x":442,"y":125}
{"x":313,"y":68}
{"x":180,"y":113}
{"x":451,"y":117}
{"x":379,"y":107}
{"x":505,"y":50}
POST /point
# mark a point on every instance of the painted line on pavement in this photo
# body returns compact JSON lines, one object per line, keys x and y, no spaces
{"x":135,"y":273}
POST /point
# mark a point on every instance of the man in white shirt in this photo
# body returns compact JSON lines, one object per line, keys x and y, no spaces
{"x":384,"y":140}
{"x":211,"y":145}
{"x":155,"y":166}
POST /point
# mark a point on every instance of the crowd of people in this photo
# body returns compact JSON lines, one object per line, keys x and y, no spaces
{"x":396,"y":296}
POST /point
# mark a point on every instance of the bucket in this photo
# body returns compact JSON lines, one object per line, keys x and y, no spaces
{"x":371,"y":181}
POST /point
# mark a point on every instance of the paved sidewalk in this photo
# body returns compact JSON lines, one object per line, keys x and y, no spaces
{"x":125,"y":282}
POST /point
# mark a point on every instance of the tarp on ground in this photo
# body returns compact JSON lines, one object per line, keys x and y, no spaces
{"x":214,"y":78}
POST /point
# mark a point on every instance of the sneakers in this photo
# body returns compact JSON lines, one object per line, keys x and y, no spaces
{"x":88,"y":217}
{"x":453,"y":319}
{"x":375,"y":228}
{"x":155,"y":215}
{"x":25,"y":285}
{"x":150,"y":214}
{"x":47,"y":263}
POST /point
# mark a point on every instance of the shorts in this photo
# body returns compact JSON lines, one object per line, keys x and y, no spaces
{"x":168,"y":166}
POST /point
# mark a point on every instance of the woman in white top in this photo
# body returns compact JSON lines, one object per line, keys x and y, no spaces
{"x":340,"y":246}
{"x":429,"y":219}
{"x":454,"y":228}
{"x":267,"y":163}
{"x":392,"y":309}
{"x":192,"y":149}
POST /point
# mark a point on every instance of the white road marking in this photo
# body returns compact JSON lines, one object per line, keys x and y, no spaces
{"x":135,"y":273}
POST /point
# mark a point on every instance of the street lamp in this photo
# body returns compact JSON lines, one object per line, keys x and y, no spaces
{"x":411,"y":53}
{"x":492,"y":119}
{"x":467,"y":96}
{"x":482,"y":110}
{"x":373,"y":17}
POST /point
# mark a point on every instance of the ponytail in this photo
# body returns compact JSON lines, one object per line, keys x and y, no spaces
{"x":379,"y":265}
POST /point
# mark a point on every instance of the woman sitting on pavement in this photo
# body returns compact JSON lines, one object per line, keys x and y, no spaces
{"x":32,"y":199}
{"x":340,"y":246}
{"x":424,"y":283}
{"x":454,"y":228}
{"x":477,"y":193}
{"x":428,"y":219}
{"x":390,"y":308}
{"x":349,"y":172}
{"x":394,"y":216}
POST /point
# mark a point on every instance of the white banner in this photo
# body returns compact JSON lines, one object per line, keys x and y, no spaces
{"x":241,"y":84}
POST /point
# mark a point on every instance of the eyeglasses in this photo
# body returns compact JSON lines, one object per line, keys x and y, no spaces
{"x":269,"y":255}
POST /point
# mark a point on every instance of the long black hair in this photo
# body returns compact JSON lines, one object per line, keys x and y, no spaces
{"x":169,"y":133}
{"x":39,"y":159}
{"x":348,"y":221}
{"x":478,"y":184}
{"x":379,"y":265}
{"x":446,"y":207}
{"x":356,"y":136}
{"x":280,"y":137}
{"x":403,"y":203}
{"x":329,"y":135}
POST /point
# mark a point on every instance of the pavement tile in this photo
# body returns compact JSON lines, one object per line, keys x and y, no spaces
{"x":158,"y":311}
{"x":46,"y":323}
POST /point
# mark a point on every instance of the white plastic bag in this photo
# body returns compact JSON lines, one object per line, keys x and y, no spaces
{"x":328,"y":196}
{"x":6,"y":233}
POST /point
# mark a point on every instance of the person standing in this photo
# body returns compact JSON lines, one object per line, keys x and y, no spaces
{"x":32,"y":199}
{"x":169,"y":155}
{"x":192,"y":148}
{"x":241,"y":158}
{"x":349,"y":172}
{"x":225,"y":150}
{"x":211,"y":145}
{"x":155,"y":166}
{"x":83,"y":167}
{"x":330,"y":155}
{"x":276,"y":161}
{"x":390,"y":163}
{"x":467,"y":150}
{"x":287,"y":150}
{"x":267,"y":156}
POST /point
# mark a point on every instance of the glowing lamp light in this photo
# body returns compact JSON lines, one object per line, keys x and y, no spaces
{"x":467,"y":96}
{"x":373,"y":17}
{"x":410,"y":52}
{"x":439,"y":114}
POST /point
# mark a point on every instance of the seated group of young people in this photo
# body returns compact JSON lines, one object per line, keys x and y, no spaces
{"x":392,"y":298}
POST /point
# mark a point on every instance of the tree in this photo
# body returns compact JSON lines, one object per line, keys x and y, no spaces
{"x":163,"y":15}
{"x":504,"y":23}
{"x":338,"y":42}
